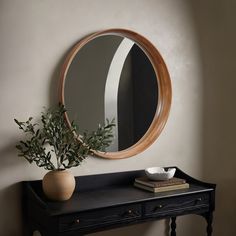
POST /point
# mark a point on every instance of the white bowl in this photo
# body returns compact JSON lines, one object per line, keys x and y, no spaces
{"x":159,"y":173}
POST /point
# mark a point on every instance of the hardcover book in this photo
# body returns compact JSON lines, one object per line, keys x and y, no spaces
{"x":151,"y":183}
{"x":162,"y":189}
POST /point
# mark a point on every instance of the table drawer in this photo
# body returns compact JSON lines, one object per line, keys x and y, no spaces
{"x":100,"y":217}
{"x":177,"y":205}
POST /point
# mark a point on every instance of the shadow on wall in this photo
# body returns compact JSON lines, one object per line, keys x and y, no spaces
{"x":10,"y":205}
{"x":216,"y":31}
{"x":10,"y":196}
{"x":55,"y":82}
{"x":55,"y":77}
{"x":7,"y":151}
{"x":139,"y":230}
{"x":53,"y":92}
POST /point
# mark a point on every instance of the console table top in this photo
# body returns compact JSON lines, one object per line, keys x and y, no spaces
{"x":108,"y":190}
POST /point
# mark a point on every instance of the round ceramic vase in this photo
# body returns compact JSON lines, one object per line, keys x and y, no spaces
{"x":58,"y":185}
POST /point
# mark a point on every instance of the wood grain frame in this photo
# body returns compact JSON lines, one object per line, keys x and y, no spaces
{"x":164,"y":89}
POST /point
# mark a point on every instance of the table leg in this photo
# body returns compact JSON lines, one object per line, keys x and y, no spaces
{"x":173,"y":226}
{"x":209,"y":219}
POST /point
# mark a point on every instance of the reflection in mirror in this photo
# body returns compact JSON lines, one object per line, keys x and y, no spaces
{"x":111,"y":77}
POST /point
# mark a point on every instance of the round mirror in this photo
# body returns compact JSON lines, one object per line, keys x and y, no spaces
{"x":117,"y":74}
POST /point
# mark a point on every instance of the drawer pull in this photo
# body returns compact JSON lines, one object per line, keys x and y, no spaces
{"x":77,"y":221}
{"x":199,"y":199}
{"x":157,"y":207}
{"x":131,"y":213}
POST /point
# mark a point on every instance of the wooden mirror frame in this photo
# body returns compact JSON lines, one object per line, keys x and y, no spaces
{"x":164,"y":89}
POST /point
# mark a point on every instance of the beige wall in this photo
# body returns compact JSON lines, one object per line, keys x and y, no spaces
{"x":197,"y":41}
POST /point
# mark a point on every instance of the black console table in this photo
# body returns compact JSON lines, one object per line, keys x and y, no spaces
{"x":107,"y":201}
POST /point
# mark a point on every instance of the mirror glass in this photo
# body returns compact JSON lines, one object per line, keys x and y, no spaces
{"x":112,"y":77}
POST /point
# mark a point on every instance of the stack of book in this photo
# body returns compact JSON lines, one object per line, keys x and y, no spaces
{"x":160,"y":186}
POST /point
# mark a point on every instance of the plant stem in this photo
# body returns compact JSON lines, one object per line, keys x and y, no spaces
{"x":58,"y":162}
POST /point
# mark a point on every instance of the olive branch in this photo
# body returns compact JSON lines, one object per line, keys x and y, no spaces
{"x":53,"y":135}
